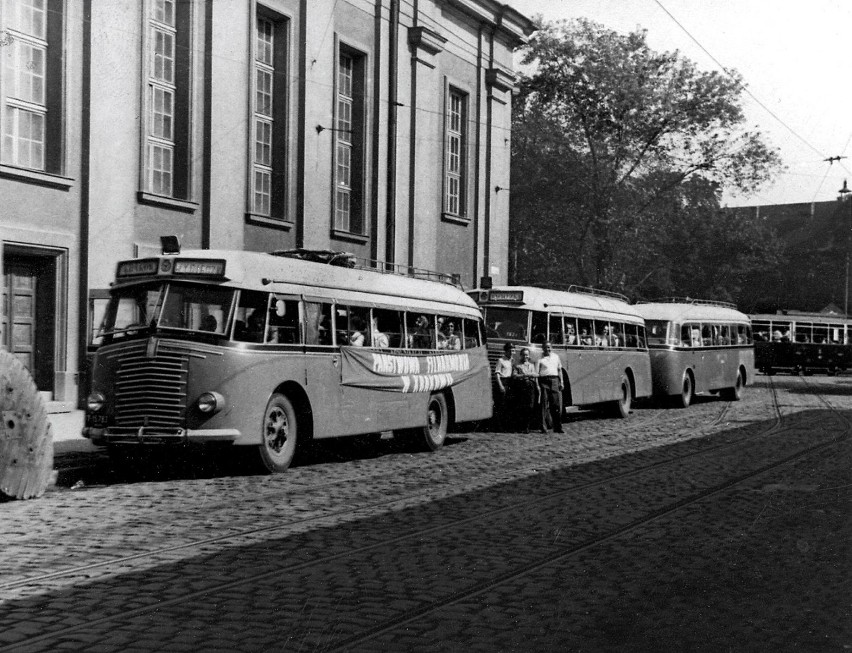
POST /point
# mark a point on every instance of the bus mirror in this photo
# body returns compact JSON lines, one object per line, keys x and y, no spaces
{"x":280,"y":308}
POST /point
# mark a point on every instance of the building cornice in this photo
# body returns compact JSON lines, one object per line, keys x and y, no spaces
{"x":508,"y":21}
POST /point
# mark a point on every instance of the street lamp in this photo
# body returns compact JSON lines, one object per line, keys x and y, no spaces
{"x":844,"y":197}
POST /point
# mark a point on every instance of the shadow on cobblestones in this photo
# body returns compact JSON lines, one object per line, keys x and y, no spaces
{"x":759,"y":568}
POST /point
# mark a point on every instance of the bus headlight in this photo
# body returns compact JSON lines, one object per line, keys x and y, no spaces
{"x":211,"y":402}
{"x":95,"y":402}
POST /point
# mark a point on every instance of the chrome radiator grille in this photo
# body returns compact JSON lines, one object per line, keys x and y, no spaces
{"x":151,"y":392}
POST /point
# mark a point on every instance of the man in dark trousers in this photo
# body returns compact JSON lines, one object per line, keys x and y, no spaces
{"x":549,"y":370}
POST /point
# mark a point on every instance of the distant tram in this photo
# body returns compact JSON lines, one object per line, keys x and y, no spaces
{"x":801,"y":343}
{"x":698,"y":346}
{"x":599,"y":337}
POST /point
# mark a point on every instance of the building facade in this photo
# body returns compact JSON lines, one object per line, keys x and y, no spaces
{"x":380,"y":127}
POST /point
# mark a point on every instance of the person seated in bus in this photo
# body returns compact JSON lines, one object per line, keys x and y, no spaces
{"x":610,"y":339}
{"x":451,"y":339}
{"x":570,"y":336}
{"x":422,"y":336}
{"x":380,"y":339}
{"x":585,"y":338}
{"x":254,"y":326}
{"x":209,"y":323}
{"x":356,"y":334}
{"x":695,"y":337}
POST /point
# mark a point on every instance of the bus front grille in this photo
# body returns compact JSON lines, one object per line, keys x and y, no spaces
{"x":151,"y":391}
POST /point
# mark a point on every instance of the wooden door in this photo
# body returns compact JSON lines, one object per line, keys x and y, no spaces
{"x":19,"y":312}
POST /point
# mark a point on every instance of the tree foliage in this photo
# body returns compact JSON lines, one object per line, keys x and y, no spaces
{"x":619,"y":157}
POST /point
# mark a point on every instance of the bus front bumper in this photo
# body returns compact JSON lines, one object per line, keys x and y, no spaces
{"x":153,"y":435}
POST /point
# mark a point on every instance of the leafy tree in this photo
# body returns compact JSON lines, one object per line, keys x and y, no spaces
{"x":619,"y":157}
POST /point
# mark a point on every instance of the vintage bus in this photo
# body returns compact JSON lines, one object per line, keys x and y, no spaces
{"x":599,"y":337}
{"x":698,"y":346}
{"x":800,"y":342}
{"x":265,"y":351}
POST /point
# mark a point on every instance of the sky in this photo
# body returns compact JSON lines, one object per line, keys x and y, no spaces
{"x":794,"y":56}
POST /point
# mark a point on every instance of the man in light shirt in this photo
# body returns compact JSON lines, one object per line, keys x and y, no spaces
{"x":502,"y":378}
{"x":549,"y":370}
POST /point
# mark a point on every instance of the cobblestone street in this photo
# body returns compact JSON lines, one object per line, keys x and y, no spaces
{"x":721,"y":527}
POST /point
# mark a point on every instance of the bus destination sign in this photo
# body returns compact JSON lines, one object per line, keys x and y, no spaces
{"x":138,"y":268}
{"x":507,"y":296}
{"x":200,"y":267}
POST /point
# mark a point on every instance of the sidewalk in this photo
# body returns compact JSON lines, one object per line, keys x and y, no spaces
{"x":68,"y":432}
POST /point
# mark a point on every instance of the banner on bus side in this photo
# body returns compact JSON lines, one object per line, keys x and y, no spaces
{"x":367,"y":368}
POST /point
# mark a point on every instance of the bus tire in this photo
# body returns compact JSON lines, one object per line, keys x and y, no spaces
{"x":279,"y":434}
{"x":736,"y":392}
{"x":621,"y":406}
{"x":687,"y":390}
{"x":437,"y":421}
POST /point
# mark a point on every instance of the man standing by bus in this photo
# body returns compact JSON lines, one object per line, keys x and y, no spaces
{"x":549,"y":370}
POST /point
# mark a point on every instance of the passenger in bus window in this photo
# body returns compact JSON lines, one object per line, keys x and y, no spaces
{"x":695,"y":336}
{"x":422,"y":337}
{"x":379,"y":339}
{"x":452,"y":340}
{"x":255,"y":325}
{"x":356,"y":335}
{"x":570,"y":335}
{"x":209,"y":323}
{"x":585,"y":338}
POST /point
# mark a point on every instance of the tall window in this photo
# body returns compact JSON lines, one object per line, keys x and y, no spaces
{"x":456,"y":153}
{"x":349,"y":144}
{"x":167,"y":99}
{"x":268,"y":137}
{"x":31,"y":84}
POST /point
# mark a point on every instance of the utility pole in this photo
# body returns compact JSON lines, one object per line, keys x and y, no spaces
{"x":844,"y":197}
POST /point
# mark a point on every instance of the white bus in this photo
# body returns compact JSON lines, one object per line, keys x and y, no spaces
{"x":266,"y":351}
{"x":599,"y":337}
{"x":698,"y":346}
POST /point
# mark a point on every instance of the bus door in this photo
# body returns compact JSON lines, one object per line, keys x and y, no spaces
{"x":323,"y":366}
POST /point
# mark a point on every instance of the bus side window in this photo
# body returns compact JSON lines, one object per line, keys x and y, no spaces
{"x":587,"y":331}
{"x":250,"y":322}
{"x":617,"y":334}
{"x":471,"y":333}
{"x":318,"y":324}
{"x":641,"y":337}
{"x":726,"y":334}
{"x":341,"y":324}
{"x":601,"y":333}
{"x":386,"y":328}
{"x":539,"y":327}
{"x":357,"y":334}
{"x":283,"y":321}
{"x":555,"y":323}
{"x":449,"y":333}
{"x":571,"y":333}
{"x":420,"y":328}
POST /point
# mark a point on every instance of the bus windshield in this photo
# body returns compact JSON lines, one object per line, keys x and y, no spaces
{"x":510,"y":323}
{"x":189,"y":307}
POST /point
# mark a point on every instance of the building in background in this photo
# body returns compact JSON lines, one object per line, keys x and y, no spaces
{"x":380,"y":127}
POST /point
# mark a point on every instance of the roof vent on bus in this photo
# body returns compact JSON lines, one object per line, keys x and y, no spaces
{"x":170,"y":244}
{"x":340,"y":259}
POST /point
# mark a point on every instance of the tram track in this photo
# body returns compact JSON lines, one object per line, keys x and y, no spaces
{"x":529,"y":467}
{"x":421,"y":534}
{"x":482,"y":587}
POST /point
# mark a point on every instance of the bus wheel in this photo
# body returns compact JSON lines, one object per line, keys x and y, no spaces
{"x":735,"y":393}
{"x":685,"y":397}
{"x":621,"y":406}
{"x":437,"y":419}
{"x":279,"y":434}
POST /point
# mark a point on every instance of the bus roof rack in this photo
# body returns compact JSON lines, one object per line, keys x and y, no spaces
{"x":349,"y":260}
{"x":586,"y":290}
{"x":689,"y":300}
